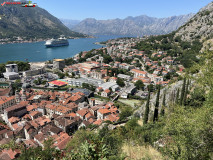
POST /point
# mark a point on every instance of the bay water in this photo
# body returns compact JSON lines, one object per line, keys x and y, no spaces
{"x":37,"y":52}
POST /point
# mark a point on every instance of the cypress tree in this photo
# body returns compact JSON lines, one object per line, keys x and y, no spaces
{"x":146,"y":115}
{"x":186,"y":92}
{"x":183,"y":91}
{"x":177,"y":96}
{"x":155,"y":118}
{"x":163,"y":105}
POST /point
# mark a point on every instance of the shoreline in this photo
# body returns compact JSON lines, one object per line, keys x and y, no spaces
{"x":34,"y":41}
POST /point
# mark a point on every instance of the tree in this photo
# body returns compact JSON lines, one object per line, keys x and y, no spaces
{"x":73,"y":74}
{"x":155,"y":118}
{"x":2,"y":70}
{"x":61,"y":75}
{"x":88,"y":86}
{"x":151,"y":87}
{"x":163,"y":105}
{"x":177,"y":96}
{"x":139,"y":85}
{"x":120,"y":82}
{"x":186,"y":92}
{"x":126,"y":111}
{"x":38,"y":81}
{"x":146,"y":114}
{"x":183,"y":91}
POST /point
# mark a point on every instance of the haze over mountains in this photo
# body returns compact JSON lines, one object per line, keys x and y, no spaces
{"x":31,"y":23}
{"x":130,"y":26}
{"x":69,"y":22}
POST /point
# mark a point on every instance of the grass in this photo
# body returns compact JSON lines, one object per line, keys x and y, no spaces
{"x":130,"y":102}
{"x":140,"y":152}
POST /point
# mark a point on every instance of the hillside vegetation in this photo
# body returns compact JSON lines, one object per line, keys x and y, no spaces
{"x":199,"y":27}
{"x":30,"y":23}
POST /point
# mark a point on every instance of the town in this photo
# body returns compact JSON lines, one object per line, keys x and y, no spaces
{"x":56,"y":98}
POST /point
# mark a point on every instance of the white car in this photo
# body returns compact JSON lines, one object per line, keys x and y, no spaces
{"x":29,"y":5}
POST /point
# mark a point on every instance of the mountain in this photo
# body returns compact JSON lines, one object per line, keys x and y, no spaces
{"x":199,"y":27}
{"x":69,"y":22}
{"x":31,"y":23}
{"x":131,"y":26}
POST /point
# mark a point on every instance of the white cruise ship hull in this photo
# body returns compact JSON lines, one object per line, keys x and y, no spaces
{"x":56,"y":43}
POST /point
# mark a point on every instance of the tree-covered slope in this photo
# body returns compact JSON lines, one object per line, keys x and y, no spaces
{"x":33,"y":22}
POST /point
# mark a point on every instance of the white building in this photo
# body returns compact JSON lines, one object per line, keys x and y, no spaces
{"x":11,"y":75}
{"x":12,"y":68}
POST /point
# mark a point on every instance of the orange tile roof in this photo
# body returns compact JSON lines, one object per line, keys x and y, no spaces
{"x":31,"y":107}
{"x":15,"y":126}
{"x":11,"y":153}
{"x":62,"y":140}
{"x":103,"y":111}
{"x":138,"y":71}
{"x":88,"y":115}
{"x":62,"y":109}
{"x":72,"y":114}
{"x":4,"y":99}
{"x":112,"y":118}
{"x":98,"y":122}
{"x":13,"y":119}
{"x":33,"y":113}
{"x":82,"y":112}
{"x":107,"y":91}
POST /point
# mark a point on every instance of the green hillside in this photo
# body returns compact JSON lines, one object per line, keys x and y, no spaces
{"x":31,"y":23}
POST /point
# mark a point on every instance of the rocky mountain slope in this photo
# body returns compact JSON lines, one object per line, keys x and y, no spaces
{"x":30,"y":23}
{"x":171,"y":93}
{"x":199,"y":27}
{"x":131,"y":26}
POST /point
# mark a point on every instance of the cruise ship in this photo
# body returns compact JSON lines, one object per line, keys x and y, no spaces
{"x":57,"y":42}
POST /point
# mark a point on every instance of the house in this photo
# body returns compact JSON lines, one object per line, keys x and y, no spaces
{"x":8,"y":154}
{"x":138,"y":73}
{"x":106,"y":93}
{"x":30,"y":143}
{"x":89,"y":115}
{"x":99,"y":89}
{"x":40,"y":138}
{"x":113,"y":79}
{"x":124,"y":95}
{"x":68,"y":125}
{"x":29,"y":131}
{"x":35,"y":114}
{"x":61,"y":141}
{"x":125,"y":77}
{"x":82,"y":113}
{"x":102,"y":113}
{"x":115,"y":88}
{"x":84,"y":124}
{"x":6,"y":102}
{"x":16,"y":111}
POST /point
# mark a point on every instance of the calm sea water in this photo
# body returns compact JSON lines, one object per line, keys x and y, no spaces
{"x":36,"y":52}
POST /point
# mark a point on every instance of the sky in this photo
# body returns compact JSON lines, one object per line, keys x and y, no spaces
{"x":111,"y":9}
